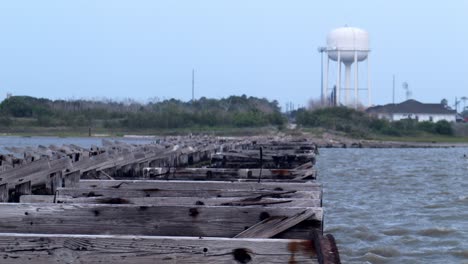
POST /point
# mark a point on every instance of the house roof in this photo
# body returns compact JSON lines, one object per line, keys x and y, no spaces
{"x":411,"y":107}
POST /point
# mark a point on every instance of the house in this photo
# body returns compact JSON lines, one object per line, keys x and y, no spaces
{"x":412,"y":109}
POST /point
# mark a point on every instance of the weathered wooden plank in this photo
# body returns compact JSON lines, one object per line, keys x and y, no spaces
{"x":175,"y":201}
{"x":4,"y":193}
{"x":53,"y":181}
{"x":22,"y":189}
{"x":91,"y":163}
{"x":214,"y":221}
{"x":45,"y":249}
{"x":157,"y":192}
{"x":71,"y":179}
{"x":39,"y":177}
{"x":274,"y":225}
{"x":37,"y":198}
{"x":199,"y":185}
{"x":25,"y":169}
{"x":227,"y":174}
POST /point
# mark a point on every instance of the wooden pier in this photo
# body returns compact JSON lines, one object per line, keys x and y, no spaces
{"x":177,"y":200}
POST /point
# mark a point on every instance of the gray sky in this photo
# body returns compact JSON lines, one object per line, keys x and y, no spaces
{"x":145,"y":48}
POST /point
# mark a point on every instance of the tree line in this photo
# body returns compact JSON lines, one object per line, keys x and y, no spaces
{"x":233,"y":111}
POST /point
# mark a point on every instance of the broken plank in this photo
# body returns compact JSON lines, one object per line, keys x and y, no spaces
{"x":274,"y":225}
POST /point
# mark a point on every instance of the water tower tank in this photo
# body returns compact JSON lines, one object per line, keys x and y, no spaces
{"x":348,"y":40}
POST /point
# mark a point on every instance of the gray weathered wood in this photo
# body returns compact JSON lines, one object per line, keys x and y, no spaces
{"x":199,"y":185}
{"x":156,"y":192}
{"x":45,"y":249}
{"x":71,"y":179}
{"x":215,"y":221}
{"x":37,"y":198}
{"x":175,"y":201}
{"x":4,"y":193}
{"x":53,"y":182}
{"x":22,"y":189}
{"x":274,"y":225}
{"x":40,"y":176}
{"x":227,"y":174}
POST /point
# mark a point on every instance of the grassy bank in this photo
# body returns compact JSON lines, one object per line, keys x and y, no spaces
{"x":360,"y":125}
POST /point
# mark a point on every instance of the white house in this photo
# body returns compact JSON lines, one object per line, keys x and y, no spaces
{"x":412,"y":109}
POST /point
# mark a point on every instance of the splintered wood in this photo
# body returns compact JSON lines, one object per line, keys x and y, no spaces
{"x":176,"y":200}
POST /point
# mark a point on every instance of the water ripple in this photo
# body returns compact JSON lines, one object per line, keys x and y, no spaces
{"x":396,"y":205}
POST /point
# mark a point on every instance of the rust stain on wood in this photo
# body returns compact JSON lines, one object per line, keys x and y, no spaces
{"x":306,"y":247}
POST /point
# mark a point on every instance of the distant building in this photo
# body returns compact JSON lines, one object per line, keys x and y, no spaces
{"x":412,"y":109}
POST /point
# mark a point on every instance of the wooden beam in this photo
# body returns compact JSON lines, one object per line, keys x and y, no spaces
{"x":22,"y":189}
{"x":37,"y":199}
{"x":227,"y":173}
{"x":175,"y":201}
{"x":38,"y":177}
{"x":71,"y":179}
{"x":327,"y":251}
{"x":199,"y":185}
{"x":4,"y":193}
{"x":214,"y":221}
{"x":46,"y":248}
{"x":156,"y":192}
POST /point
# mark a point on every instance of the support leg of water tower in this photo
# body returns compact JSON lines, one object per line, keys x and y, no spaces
{"x":325,"y":83}
{"x":347,"y":82}
{"x":355,"y":81}
{"x":338,"y":81}
{"x":369,"y":82}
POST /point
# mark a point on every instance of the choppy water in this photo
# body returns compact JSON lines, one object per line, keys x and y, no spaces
{"x":396,"y":205}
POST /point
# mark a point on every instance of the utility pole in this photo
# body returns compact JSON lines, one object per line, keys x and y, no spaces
{"x":322,"y":94}
{"x":193,"y":85}
{"x":456,"y":104}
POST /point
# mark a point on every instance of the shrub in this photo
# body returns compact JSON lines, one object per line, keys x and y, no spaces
{"x":443,"y":127}
{"x":426,"y":126}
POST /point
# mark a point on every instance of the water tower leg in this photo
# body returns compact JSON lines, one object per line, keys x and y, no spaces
{"x":355,"y":81}
{"x":338,"y":81}
{"x":368,"y":82}
{"x":347,"y":81}
{"x":325,"y":83}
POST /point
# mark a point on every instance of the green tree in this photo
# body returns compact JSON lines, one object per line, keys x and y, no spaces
{"x":444,"y":102}
{"x":443,"y":127}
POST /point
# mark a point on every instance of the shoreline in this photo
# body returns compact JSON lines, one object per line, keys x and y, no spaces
{"x":325,"y":140}
{"x":389,"y":144}
{"x":321,"y":143}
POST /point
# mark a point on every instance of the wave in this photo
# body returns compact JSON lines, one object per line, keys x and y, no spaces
{"x":387,"y":252}
{"x":396,"y":232}
{"x":374,"y":258}
{"x":461,"y":253}
{"x":436,"y":231}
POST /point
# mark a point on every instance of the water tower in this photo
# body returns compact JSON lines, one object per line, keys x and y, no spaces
{"x":347,"y":46}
